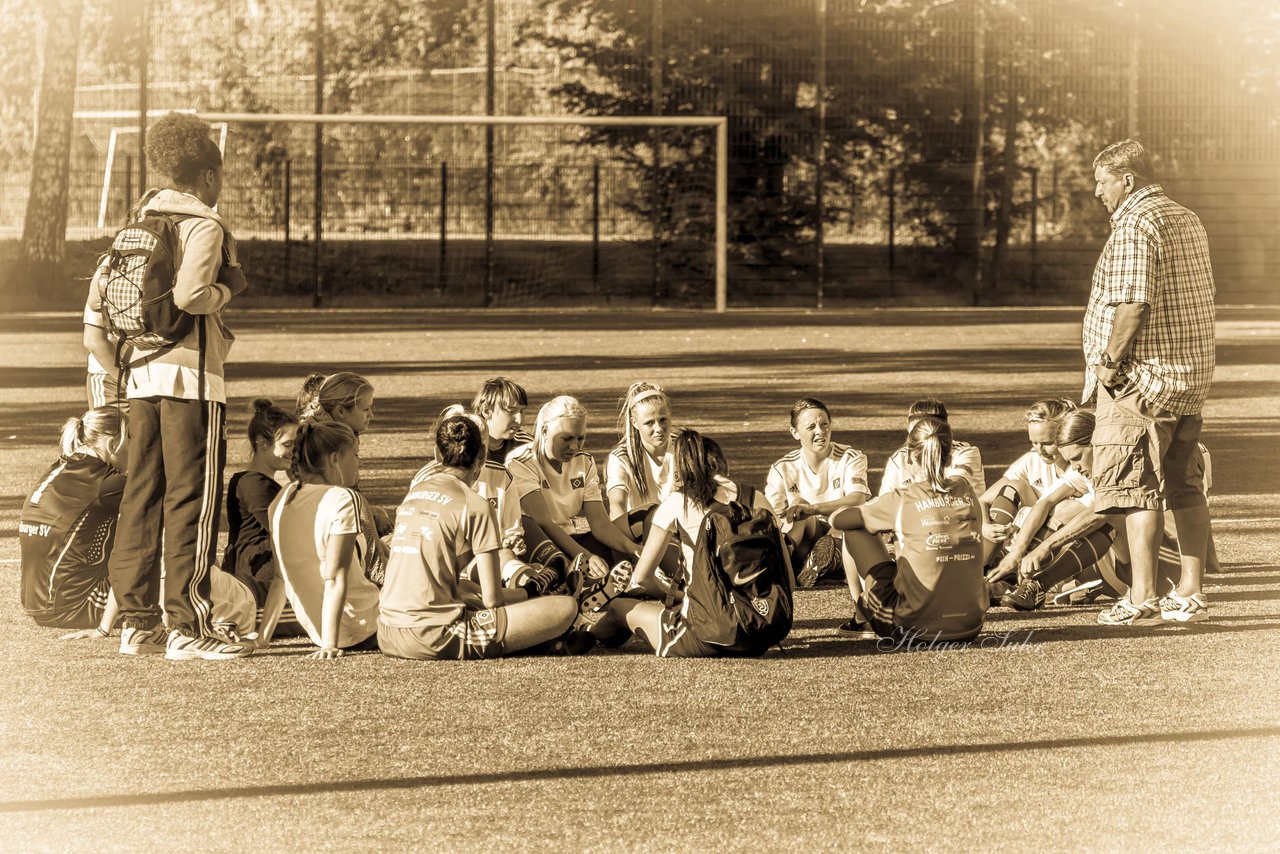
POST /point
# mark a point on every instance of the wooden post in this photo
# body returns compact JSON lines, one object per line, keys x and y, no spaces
{"x":820,"y":158}
{"x":144,"y":51}
{"x":595,"y":228}
{"x":490,"y":59}
{"x":317,"y":274}
{"x":442,"y":274}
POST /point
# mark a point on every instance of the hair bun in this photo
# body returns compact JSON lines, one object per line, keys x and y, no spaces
{"x":262,"y":404}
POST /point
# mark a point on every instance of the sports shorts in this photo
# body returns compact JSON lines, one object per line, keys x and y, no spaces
{"x":474,"y":635}
{"x":676,"y":641}
{"x":1144,"y":456}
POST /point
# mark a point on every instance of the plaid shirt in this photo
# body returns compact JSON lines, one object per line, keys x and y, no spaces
{"x":1158,"y":254}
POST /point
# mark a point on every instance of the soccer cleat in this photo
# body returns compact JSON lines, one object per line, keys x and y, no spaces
{"x":820,"y":559}
{"x":136,"y":641}
{"x":1125,"y":613}
{"x":601,"y":591}
{"x":996,"y":591}
{"x":1184,"y":609}
{"x":1075,"y":594}
{"x":1027,"y":596}
{"x":185,"y":648}
{"x":857,"y":629}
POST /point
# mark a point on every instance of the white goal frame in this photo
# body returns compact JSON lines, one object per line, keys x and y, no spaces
{"x":719,"y":123}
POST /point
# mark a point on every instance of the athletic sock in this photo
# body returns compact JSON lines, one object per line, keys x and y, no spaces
{"x":1076,"y":556}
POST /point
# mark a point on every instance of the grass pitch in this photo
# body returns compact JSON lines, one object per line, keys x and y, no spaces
{"x":1051,"y":733}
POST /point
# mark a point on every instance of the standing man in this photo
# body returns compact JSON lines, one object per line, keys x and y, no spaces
{"x":1149,"y":356}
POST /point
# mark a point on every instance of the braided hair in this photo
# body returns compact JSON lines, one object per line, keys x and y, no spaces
{"x":630,"y":442}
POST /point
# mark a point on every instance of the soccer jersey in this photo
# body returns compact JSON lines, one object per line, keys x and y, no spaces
{"x":966,"y":462}
{"x":494,"y":485}
{"x":939,"y":556}
{"x":791,"y":481}
{"x":1038,"y":472}
{"x":65,"y":534}
{"x":1081,"y":487}
{"x":510,"y":446}
{"x":565,"y":491}
{"x":439,"y":527}
{"x":303,"y":520}
{"x":249,"y":556}
{"x":659,"y":475}
{"x":676,"y":513}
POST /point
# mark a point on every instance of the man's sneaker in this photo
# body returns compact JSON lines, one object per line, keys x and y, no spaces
{"x":1075,"y":594}
{"x":185,"y":648}
{"x":1184,"y":609}
{"x":1125,"y":613}
{"x":136,"y":641}
{"x":1027,"y":596}
{"x":857,"y":629}
{"x":600,"y":592}
{"x":820,"y":559}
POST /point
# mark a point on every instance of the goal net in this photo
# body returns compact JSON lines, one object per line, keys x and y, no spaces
{"x":463,"y":210}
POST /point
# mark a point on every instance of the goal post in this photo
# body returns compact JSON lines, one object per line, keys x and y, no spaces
{"x":719,"y":124}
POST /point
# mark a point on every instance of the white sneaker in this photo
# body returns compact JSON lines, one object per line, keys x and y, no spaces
{"x":184,"y":648}
{"x":1184,"y":609}
{"x":136,"y":641}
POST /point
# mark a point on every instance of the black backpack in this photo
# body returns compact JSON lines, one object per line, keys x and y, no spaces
{"x":738,"y":593}
{"x":135,"y":285}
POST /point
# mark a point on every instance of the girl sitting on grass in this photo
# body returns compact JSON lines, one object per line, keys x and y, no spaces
{"x":320,"y":546}
{"x":702,"y":473}
{"x":559,"y":489}
{"x":347,"y":398}
{"x":934,"y":589}
{"x":441,"y":527}
{"x":501,"y":403}
{"x":248,"y":555}
{"x":966,"y":459}
{"x":809,"y":484}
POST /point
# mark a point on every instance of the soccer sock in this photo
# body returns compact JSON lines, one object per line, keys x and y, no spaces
{"x":1004,"y":509}
{"x":1076,"y":556}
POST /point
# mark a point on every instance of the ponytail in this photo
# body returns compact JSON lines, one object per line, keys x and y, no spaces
{"x":321,"y":395}
{"x":98,"y":431}
{"x":929,"y":446}
{"x":698,"y":461}
{"x":266,"y":421}
{"x":1076,"y":428}
{"x":315,"y":442}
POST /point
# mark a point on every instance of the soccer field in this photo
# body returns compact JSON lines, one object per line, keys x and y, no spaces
{"x":1051,"y":733}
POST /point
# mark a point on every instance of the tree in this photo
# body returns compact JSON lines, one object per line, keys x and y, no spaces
{"x":44,"y":229}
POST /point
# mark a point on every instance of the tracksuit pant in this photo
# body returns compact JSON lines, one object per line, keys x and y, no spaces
{"x":172,"y":506}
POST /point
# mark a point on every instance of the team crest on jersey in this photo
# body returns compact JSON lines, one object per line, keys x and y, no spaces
{"x":493,"y":502}
{"x":577,"y":483}
{"x":484,"y":618}
{"x":761,"y":606}
{"x":835,"y":484}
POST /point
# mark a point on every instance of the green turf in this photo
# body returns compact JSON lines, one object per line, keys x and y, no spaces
{"x":1068,"y":737}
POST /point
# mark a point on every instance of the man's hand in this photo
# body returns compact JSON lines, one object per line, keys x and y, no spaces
{"x":1106,"y":376}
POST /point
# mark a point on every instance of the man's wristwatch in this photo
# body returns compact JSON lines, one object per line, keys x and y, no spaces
{"x":1106,"y":361}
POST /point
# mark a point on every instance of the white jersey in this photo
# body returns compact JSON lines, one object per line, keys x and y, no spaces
{"x":660,"y":476}
{"x":791,"y":481}
{"x":1081,"y":487}
{"x":495,"y":485}
{"x":675,"y":512}
{"x":1036,"y":471}
{"x":565,"y":491}
{"x":966,"y":462}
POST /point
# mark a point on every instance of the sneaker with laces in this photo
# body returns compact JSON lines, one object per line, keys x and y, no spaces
{"x":1027,"y":596}
{"x":182,"y":647}
{"x":857,"y":629}
{"x":136,"y":641}
{"x":596,"y":594}
{"x":1125,"y":613}
{"x":820,"y":559}
{"x":1184,"y":609}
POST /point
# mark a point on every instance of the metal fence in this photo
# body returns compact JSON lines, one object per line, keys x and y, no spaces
{"x":876,"y":149}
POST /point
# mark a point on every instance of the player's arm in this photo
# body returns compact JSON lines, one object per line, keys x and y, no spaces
{"x":490,"y":579}
{"x":646,"y":577}
{"x":103,"y":629}
{"x":1075,"y":526}
{"x":604,"y":530}
{"x":196,"y":289}
{"x":1038,"y":515}
{"x":339,"y":560}
{"x":99,"y":345}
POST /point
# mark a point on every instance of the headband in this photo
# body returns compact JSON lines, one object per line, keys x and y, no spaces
{"x":648,"y":395}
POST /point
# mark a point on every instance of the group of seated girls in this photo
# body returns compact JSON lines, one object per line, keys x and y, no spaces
{"x":503,"y":535}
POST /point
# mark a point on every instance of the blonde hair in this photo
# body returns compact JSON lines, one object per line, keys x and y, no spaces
{"x":97,"y":431}
{"x":929,"y":445}
{"x":633,"y":447}
{"x":561,"y":406}
{"x":316,"y":441}
{"x":321,"y":395}
{"x":1049,"y":411}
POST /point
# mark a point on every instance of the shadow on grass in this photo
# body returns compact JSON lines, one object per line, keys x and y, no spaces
{"x":594,"y":772}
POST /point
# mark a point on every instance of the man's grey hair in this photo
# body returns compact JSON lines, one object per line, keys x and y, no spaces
{"x":1127,"y":155}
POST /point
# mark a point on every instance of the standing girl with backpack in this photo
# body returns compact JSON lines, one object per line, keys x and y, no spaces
{"x":172,"y":504}
{"x":702,"y":474}
{"x":935,"y":588}
{"x":320,"y":546}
